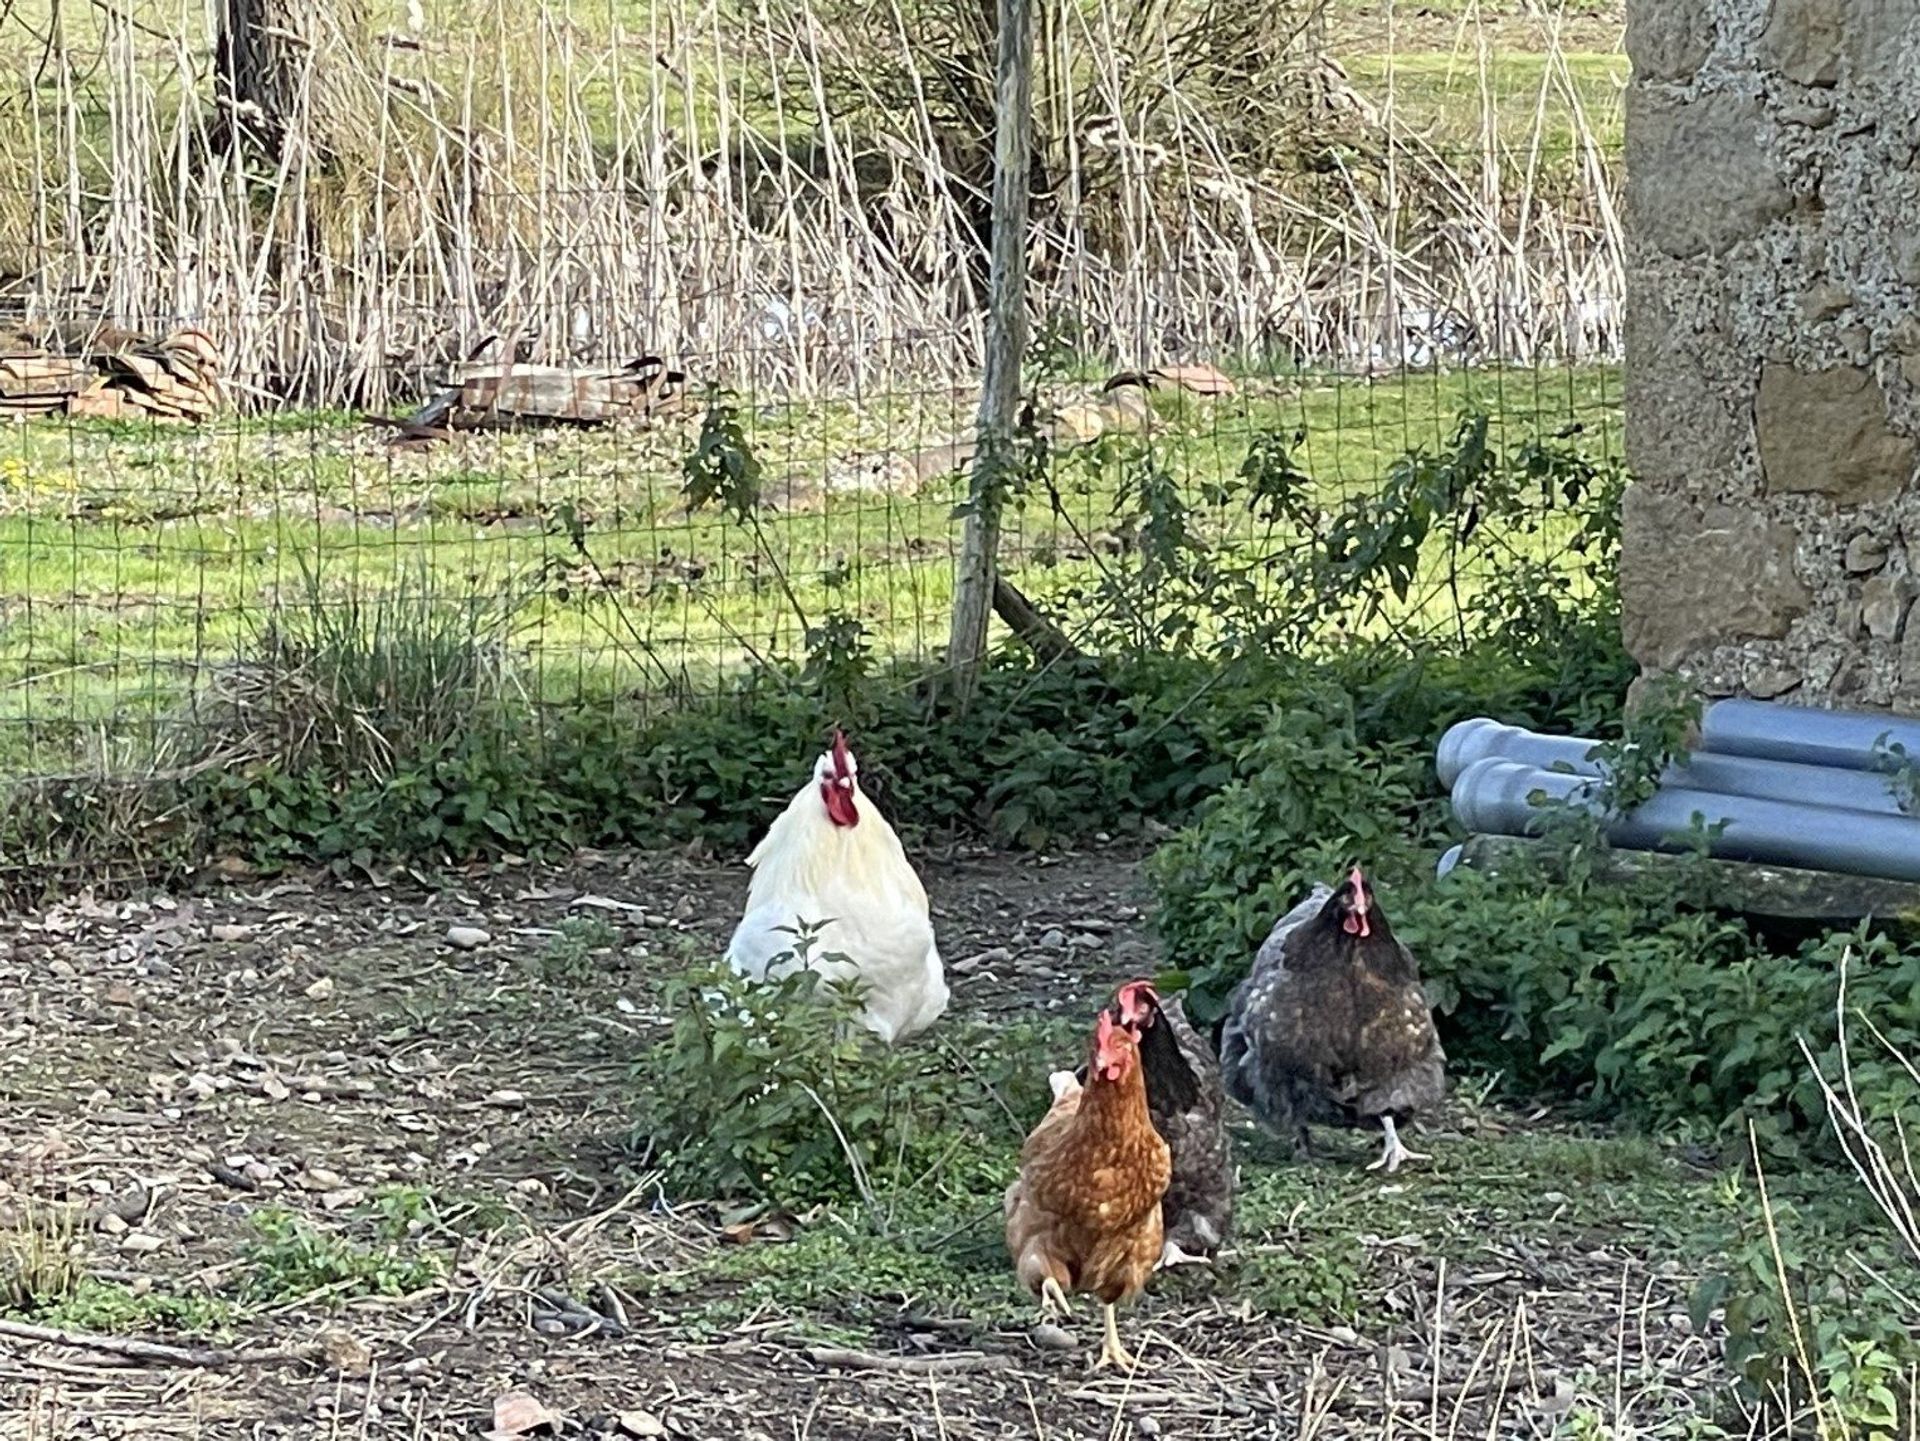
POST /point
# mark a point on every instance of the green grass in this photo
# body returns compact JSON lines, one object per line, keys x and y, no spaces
{"x":1303,"y":1252}
{"x":132,"y":557}
{"x":1451,"y":96}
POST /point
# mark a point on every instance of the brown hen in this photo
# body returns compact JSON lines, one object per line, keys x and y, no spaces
{"x":1084,"y":1214}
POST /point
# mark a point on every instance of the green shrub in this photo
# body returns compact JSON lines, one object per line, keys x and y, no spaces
{"x":776,"y":1091}
{"x":1308,"y":800}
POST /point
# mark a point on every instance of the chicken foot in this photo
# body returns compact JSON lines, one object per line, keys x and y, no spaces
{"x":1396,"y":1153}
{"x":1112,"y":1353}
{"x":1172,"y":1255}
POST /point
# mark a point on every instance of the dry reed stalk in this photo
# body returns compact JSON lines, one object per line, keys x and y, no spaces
{"x":810,"y":235}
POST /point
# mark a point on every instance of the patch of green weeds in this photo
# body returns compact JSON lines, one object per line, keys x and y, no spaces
{"x":113,"y":1309}
{"x":290,"y":1260}
{"x":571,"y":955}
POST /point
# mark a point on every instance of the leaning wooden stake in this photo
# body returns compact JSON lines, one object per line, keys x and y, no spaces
{"x":997,"y":458}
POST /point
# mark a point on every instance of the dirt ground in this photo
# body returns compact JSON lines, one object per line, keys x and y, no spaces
{"x":173,"y":1068}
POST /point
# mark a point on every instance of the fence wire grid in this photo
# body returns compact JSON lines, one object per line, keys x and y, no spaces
{"x":1461,"y":253}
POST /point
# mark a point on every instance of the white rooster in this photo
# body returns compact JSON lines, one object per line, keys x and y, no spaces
{"x":831,"y":862}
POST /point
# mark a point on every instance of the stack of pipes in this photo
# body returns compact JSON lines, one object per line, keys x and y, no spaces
{"x":1784,"y":785}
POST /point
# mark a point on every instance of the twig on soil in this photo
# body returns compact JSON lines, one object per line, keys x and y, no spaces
{"x":949,"y":1365}
{"x":136,"y":1350}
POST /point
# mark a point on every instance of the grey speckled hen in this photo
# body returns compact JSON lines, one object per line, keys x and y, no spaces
{"x":1331,"y":1027}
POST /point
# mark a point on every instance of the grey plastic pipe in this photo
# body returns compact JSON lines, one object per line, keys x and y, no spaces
{"x":1734,"y":775}
{"x":1491,"y":795}
{"x":1843,"y":739}
{"x":1468,"y":741}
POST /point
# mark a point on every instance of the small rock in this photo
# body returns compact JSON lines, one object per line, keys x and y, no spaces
{"x":467,"y":938}
{"x":141,"y":1242}
{"x":1883,"y":602}
{"x":1146,"y":1425}
{"x":997,"y":955}
{"x":227,"y":932}
{"x":113,"y":1225}
{"x":119,"y":993}
{"x":341,"y":1198}
{"x":506,"y":1097}
{"x":1866,"y":553}
{"x":321,"y":989}
{"x":319,"y":1178}
{"x":344,"y":1353}
{"x":516,"y":1413}
{"x":643,"y":1424}
{"x":1049,"y":1337}
{"x":1813,"y":117}
{"x":1054,"y":939}
{"x":1771,"y":681}
{"x":1823,"y":300}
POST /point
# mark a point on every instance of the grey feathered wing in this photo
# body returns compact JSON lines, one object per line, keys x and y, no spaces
{"x":1240,"y":1062}
{"x":1198,"y":1206}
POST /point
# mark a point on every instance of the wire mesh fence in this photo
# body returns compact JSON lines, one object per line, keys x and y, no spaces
{"x":806,"y":249}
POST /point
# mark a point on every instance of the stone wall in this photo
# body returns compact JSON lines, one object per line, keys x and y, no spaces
{"x":1772,"y":536}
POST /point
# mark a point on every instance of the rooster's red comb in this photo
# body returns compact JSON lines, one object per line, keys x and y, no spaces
{"x":841,"y":757}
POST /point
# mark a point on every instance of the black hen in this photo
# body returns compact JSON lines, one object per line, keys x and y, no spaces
{"x":1184,"y":1098}
{"x":1332,"y":1027}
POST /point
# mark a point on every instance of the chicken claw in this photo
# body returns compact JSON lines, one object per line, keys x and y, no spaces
{"x":1395,"y":1154}
{"x":1112,"y":1353}
{"x":1053,"y":1300}
{"x":1172,"y":1255}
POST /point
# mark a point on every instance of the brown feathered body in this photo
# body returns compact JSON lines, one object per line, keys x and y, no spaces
{"x":1332,"y":1027}
{"x":1085,"y":1209}
{"x":1186,"y":1102}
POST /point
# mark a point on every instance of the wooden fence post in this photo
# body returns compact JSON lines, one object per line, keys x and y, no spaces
{"x":997,"y":458}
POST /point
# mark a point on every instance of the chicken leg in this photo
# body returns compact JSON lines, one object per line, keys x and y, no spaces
{"x":1395,"y":1155}
{"x":1053,"y":1300}
{"x":1112,"y":1353}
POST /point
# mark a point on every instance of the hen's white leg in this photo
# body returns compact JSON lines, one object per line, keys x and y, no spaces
{"x":1053,"y":1300}
{"x":1172,"y":1255}
{"x":1112,"y":1353}
{"x":1395,"y":1154}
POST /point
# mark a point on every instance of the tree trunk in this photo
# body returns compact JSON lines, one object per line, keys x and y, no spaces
{"x":281,"y":68}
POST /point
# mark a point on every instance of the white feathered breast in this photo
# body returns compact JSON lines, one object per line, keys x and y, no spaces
{"x":855,"y":885}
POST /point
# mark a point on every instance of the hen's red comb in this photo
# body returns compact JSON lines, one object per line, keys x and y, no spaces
{"x":841,"y":768}
{"x":1136,"y":999}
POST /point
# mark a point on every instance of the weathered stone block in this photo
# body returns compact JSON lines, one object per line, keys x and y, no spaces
{"x":1910,"y":661}
{"x":1680,"y":432}
{"x":1699,"y":177}
{"x":1670,"y":39}
{"x":1877,"y":37}
{"x":1883,"y":605}
{"x":1690,"y":577}
{"x":1825,"y":432}
{"x":1823,"y":300}
{"x":1803,"y":39}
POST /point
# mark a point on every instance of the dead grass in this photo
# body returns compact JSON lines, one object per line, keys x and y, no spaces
{"x":752,"y":203}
